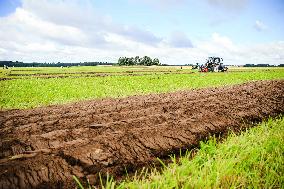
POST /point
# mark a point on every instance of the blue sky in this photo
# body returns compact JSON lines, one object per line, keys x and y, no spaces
{"x":175,"y":31}
{"x":200,"y":19}
{"x":8,"y":6}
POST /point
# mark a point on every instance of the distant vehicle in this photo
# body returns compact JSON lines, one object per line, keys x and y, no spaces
{"x":213,"y":64}
{"x":196,"y":66}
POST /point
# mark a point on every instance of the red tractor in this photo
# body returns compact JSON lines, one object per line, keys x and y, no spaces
{"x":213,"y":64}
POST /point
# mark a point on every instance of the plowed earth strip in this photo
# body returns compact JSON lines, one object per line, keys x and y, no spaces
{"x":86,"y":75}
{"x":44,"y":147}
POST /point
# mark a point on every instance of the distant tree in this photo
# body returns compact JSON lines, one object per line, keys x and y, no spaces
{"x":137,"y":60}
{"x":130,"y":61}
{"x":156,"y":62}
{"x":140,"y":61}
{"x":146,"y":61}
{"x":121,"y":61}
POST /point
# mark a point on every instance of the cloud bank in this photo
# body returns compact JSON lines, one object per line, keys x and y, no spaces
{"x":75,"y":31}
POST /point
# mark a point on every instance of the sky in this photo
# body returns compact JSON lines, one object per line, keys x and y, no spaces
{"x":175,"y":31}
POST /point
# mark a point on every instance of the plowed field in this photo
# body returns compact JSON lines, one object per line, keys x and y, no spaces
{"x":44,"y":147}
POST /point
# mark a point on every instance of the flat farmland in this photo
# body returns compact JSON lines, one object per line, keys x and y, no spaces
{"x":57,"y":123}
{"x":34,"y":87}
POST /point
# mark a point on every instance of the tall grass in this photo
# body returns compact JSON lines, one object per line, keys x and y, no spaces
{"x":253,"y":159}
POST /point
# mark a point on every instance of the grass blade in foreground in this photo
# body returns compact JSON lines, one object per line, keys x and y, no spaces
{"x":253,"y":159}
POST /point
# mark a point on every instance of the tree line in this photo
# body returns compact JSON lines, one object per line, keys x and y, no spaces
{"x":260,"y":65}
{"x":131,"y":61}
{"x":58,"y":64}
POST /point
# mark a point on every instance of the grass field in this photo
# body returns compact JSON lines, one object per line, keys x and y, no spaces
{"x":253,"y":159}
{"x":81,"y":70}
{"x":30,"y":88}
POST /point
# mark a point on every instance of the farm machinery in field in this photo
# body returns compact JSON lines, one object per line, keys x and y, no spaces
{"x":213,"y":64}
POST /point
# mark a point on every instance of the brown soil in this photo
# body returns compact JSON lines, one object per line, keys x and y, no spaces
{"x":44,"y":147}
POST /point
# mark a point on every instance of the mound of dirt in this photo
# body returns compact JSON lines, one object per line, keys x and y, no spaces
{"x":44,"y":147}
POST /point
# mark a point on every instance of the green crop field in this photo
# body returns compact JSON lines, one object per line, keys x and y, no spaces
{"x":32,"y":87}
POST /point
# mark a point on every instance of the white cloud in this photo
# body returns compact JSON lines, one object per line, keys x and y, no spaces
{"x":260,"y":26}
{"x":72,"y":12}
{"x":235,"y":54}
{"x":231,"y":5}
{"x":139,"y":35}
{"x":222,"y":41}
{"x":162,"y":4}
{"x":179,"y":39}
{"x":41,"y":31}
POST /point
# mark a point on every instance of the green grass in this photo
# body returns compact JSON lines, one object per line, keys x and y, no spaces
{"x":10,"y":73}
{"x":33,"y":92}
{"x":253,"y":159}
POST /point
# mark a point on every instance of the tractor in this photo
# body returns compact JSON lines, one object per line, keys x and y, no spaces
{"x":195,"y":66}
{"x":213,"y":64}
